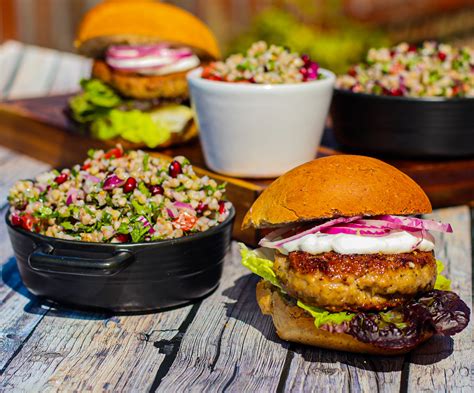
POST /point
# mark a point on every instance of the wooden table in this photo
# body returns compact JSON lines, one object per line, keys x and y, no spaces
{"x":222,"y":343}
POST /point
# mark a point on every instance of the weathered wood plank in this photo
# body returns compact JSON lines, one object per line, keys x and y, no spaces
{"x":229,"y":345}
{"x":78,"y":351}
{"x":444,"y":363}
{"x":320,"y":370}
{"x":20,"y":311}
{"x":15,"y":166}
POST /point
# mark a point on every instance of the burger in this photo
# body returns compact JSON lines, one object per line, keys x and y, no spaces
{"x":346,"y":264}
{"x":141,"y":51}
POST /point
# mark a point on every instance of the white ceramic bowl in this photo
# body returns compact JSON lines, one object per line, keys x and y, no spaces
{"x":259,"y":131}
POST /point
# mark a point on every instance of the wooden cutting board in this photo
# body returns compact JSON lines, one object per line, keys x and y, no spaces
{"x":38,"y":127}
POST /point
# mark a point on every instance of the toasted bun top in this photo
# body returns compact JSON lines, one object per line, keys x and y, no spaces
{"x":337,"y":186}
{"x":143,"y":22}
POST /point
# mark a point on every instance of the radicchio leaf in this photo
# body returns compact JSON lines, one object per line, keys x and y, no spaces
{"x":439,"y":312}
{"x":449,"y":313}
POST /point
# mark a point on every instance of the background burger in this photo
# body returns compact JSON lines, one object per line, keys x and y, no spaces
{"x":348,"y":267}
{"x":142,"y":51}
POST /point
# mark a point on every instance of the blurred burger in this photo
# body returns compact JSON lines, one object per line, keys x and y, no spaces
{"x":349,"y":267}
{"x":138,"y":92}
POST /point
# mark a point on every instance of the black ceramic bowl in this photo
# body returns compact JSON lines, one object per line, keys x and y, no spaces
{"x":403,"y":126}
{"x":124,"y":277}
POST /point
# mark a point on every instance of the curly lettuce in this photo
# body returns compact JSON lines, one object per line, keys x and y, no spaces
{"x":257,"y":262}
{"x":94,"y":102}
{"x":133,"y":126}
{"x":442,"y":283}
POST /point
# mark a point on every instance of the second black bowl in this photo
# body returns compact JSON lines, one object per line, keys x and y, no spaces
{"x":403,"y":126}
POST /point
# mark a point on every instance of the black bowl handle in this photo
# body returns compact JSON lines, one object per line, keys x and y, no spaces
{"x":42,"y":260}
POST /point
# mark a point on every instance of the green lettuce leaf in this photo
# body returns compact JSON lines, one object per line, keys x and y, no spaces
{"x":94,"y":102}
{"x":323,"y":317}
{"x":257,"y":262}
{"x":442,"y":283}
{"x":133,"y":126}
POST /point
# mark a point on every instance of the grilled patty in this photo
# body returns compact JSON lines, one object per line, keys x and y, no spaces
{"x":340,"y":282}
{"x":143,"y":87}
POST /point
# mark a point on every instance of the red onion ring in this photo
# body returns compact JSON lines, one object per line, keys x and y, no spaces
{"x":348,"y":230}
{"x":318,"y":228}
{"x":417,"y":223}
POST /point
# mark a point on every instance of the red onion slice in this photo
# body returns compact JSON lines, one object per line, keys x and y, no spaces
{"x":182,"y":205}
{"x":146,"y":223}
{"x":112,"y":182}
{"x":318,"y":228}
{"x":91,"y":178}
{"x":71,"y":196}
{"x":171,"y":213}
{"x":348,"y":230}
{"x":145,"y":57}
{"x":418,"y":223}
{"x":122,"y":52}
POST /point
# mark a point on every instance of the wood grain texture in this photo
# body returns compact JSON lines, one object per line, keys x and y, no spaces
{"x":320,"y":370}
{"x":445,"y":363}
{"x":19,"y":310}
{"x":79,"y":351}
{"x":229,"y":346}
{"x":13,"y":167}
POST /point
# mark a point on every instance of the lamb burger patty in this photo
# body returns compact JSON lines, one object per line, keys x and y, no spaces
{"x":354,"y":282}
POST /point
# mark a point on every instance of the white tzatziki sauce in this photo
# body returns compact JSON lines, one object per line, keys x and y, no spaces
{"x":394,"y":243}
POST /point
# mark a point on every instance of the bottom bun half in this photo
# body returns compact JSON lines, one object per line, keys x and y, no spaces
{"x":294,"y":324}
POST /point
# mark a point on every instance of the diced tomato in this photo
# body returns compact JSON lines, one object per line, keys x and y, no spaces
{"x":185,"y":221}
{"x":27,"y":221}
{"x":115,"y":152}
{"x":85,"y":167}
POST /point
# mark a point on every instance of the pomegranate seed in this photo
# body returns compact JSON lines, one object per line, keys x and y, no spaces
{"x":442,"y":56}
{"x":16,"y":220}
{"x":396,"y":92}
{"x":61,"y":178}
{"x":412,"y":48}
{"x":122,"y":237}
{"x":352,"y":72}
{"x":27,"y":222}
{"x":175,"y":169}
{"x":130,"y":185}
{"x":201,"y":207}
{"x":221,"y":207}
{"x":305,"y":58}
{"x":156,"y":190}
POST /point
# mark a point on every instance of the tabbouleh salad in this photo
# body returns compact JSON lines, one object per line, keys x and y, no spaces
{"x":119,"y":197}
